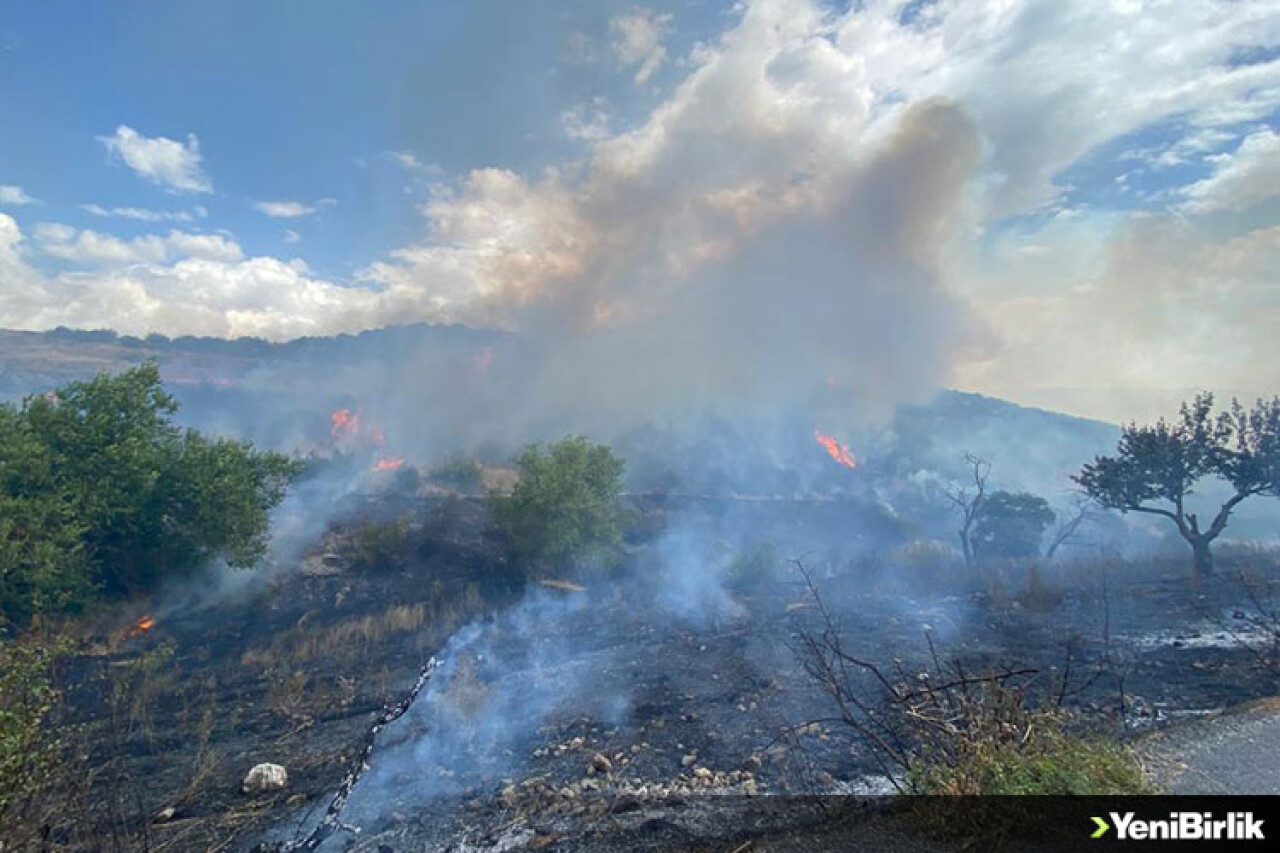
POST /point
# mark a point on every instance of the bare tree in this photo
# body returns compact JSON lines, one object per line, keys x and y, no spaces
{"x":1084,"y":509}
{"x":968,"y":498}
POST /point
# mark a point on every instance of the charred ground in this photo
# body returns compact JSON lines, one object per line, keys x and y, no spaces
{"x":615,"y":721}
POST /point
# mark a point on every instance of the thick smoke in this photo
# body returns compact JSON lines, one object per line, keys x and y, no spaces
{"x":820,"y":301}
{"x":841,"y":306}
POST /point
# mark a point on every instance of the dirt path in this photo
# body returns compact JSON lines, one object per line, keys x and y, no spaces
{"x":1235,"y":752}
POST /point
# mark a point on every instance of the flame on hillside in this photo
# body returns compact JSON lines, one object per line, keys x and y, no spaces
{"x":145,"y":624}
{"x":347,"y":428}
{"x":344,"y":423}
{"x":837,"y":451}
{"x":354,"y":435}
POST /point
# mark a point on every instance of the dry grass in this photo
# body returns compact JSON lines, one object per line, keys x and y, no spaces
{"x":352,"y":639}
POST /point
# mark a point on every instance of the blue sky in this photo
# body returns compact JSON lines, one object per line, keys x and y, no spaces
{"x":290,"y":101}
{"x":602,"y":169}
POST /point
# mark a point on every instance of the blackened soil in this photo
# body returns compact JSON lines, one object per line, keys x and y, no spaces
{"x":718,"y":715}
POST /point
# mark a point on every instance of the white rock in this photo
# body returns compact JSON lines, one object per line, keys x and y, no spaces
{"x":265,"y":777}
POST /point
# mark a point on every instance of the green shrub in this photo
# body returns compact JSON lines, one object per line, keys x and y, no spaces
{"x":566,"y":506}
{"x":1010,"y":524}
{"x":101,"y":493}
{"x":1049,"y":761}
{"x":28,"y":748}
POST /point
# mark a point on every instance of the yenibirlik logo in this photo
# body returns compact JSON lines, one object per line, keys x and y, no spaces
{"x":1182,"y":826}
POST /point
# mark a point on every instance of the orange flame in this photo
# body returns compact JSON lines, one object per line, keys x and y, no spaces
{"x":839,"y":452}
{"x":390,"y":463}
{"x":145,"y":624}
{"x":343,"y":423}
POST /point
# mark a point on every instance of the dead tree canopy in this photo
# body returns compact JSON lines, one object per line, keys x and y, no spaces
{"x":968,"y":498}
{"x":1156,"y":467}
{"x":1084,"y":509}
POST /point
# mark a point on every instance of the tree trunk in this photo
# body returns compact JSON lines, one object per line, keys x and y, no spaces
{"x":965,"y":547}
{"x":1201,"y":558}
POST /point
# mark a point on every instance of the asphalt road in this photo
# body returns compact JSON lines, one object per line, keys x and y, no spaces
{"x":1236,"y":752}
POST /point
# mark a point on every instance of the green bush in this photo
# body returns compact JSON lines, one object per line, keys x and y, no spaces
{"x":566,"y":506}
{"x":1011,"y":524}
{"x":1050,"y":761}
{"x":28,"y":750}
{"x":101,"y":493}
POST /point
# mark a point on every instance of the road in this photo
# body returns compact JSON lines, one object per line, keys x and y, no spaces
{"x":1236,"y":752}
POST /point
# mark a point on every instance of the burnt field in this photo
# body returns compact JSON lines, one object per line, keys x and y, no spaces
{"x":650,"y":707}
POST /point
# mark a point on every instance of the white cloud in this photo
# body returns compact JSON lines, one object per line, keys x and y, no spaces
{"x":291,"y":236}
{"x":1240,"y":180}
{"x":140,"y":214}
{"x":92,"y":248}
{"x":163,"y":161}
{"x":422,"y":175}
{"x":637,"y":40}
{"x":284,"y":209}
{"x":13,"y":195}
{"x":586,"y":122}
{"x":210,"y":247}
{"x":1151,"y":303}
{"x":204,"y":293}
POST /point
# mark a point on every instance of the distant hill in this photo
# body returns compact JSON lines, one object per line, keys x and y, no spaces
{"x":32,"y":361}
{"x":429,"y":391}
{"x":1028,"y":447}
{"x":410,"y":377}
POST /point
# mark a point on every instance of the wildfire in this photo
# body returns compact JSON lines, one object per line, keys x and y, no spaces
{"x":353,"y":434}
{"x":145,"y":624}
{"x":837,"y":451}
{"x":344,"y":423}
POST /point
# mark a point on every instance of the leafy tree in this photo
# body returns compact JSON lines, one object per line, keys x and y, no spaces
{"x":565,"y":506}
{"x":1156,"y":468}
{"x":1011,"y":524}
{"x":100,"y":491}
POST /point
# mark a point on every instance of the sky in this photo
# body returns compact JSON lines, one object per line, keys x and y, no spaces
{"x":1074,"y":205}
